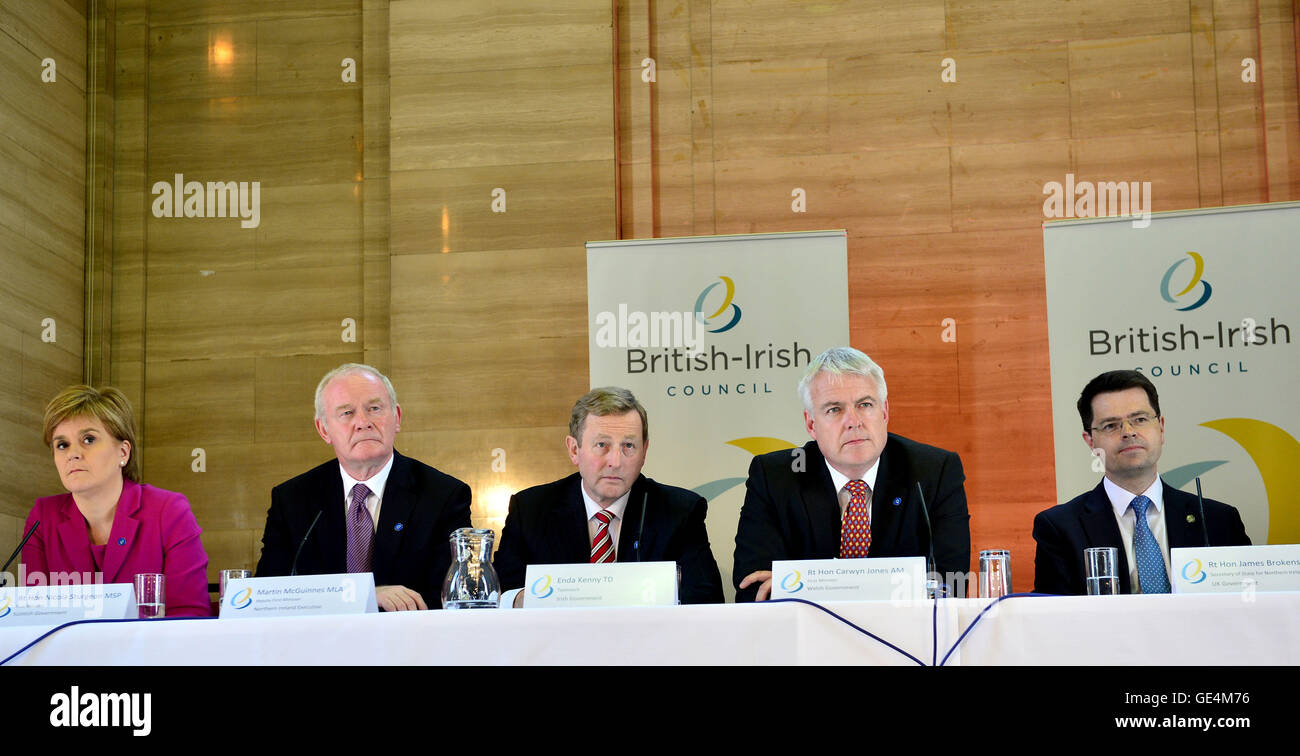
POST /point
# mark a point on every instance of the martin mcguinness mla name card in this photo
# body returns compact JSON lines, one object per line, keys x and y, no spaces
{"x":300,"y":596}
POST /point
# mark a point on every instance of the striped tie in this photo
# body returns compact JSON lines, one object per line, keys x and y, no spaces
{"x":602,"y":546}
{"x":855,"y":532}
{"x":361,"y":531}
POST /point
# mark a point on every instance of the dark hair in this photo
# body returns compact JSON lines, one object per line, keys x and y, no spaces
{"x":1115,"y":380}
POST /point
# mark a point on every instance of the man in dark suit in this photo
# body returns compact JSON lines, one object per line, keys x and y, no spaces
{"x":851,"y":491}
{"x":1123,"y":426}
{"x":374,"y":510}
{"x":607,"y":510}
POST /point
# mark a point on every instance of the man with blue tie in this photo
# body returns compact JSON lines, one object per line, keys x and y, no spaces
{"x":1131,"y":509}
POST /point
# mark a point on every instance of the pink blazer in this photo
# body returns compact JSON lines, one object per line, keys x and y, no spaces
{"x":153,"y":531}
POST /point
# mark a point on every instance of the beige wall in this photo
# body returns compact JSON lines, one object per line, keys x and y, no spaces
{"x":42,"y":235}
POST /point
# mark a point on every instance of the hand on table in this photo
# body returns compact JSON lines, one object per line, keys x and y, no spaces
{"x":764,"y":590}
{"x":398,"y":598}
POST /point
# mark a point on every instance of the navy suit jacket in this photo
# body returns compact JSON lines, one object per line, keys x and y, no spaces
{"x":1088,"y":520}
{"x":420,"y":509}
{"x":795,"y":514}
{"x":547,"y":524}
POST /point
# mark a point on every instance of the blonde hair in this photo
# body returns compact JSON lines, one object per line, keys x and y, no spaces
{"x":107,"y":405}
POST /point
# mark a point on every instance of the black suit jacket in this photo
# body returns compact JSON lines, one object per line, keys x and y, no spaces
{"x":421,"y":508}
{"x":547,"y":524}
{"x":1088,"y":520}
{"x":791,"y":514}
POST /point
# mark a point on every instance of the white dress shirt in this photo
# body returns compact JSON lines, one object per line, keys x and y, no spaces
{"x":1126,"y":518}
{"x":840,"y":480}
{"x":377,"y":483}
{"x":615,"y":525}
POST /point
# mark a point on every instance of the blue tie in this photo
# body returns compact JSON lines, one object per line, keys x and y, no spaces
{"x":1150,"y":562}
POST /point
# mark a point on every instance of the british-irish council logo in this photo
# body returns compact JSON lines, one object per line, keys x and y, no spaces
{"x":1197,"y":271}
{"x":728,"y":294}
{"x":792,"y":582}
{"x":1193,"y":572}
{"x":5,"y":609}
{"x":541,"y":587}
{"x":242,"y":599}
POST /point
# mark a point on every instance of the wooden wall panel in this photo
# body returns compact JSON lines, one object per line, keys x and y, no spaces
{"x":42,"y":236}
{"x":488,"y":307}
{"x":221,"y":332}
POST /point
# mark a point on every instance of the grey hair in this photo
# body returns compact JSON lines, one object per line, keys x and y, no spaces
{"x":348,"y":369}
{"x":840,"y":361}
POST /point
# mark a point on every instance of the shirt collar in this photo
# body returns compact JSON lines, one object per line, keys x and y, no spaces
{"x":1120,"y":499}
{"x":376,"y":483}
{"x":616,"y":509}
{"x":840,"y":480}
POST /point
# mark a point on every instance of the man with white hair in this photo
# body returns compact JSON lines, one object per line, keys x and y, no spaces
{"x":372,"y":509}
{"x":852,"y":490}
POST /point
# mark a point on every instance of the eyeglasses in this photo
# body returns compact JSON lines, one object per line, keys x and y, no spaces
{"x":1140,"y":421}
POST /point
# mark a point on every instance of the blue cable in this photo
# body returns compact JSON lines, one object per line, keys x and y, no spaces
{"x":848,"y":622}
{"x":57,"y":628}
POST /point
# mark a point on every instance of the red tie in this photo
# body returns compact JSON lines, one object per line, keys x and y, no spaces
{"x":855,"y":534}
{"x":602,"y":546}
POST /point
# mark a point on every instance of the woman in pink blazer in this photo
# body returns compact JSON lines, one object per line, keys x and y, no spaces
{"x":109,"y":522}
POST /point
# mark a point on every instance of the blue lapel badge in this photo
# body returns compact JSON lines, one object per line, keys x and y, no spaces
{"x":397,"y":528}
{"x":898,"y":500}
{"x":121,"y":542}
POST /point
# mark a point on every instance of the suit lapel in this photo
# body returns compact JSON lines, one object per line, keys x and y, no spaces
{"x":821,"y":503}
{"x":892,"y":482}
{"x":631,"y":528}
{"x":1100,"y":529}
{"x":330,"y":542}
{"x":1181,"y":531}
{"x":121,"y":539}
{"x":74,"y":541}
{"x":565,"y":527}
{"x":394,"y":516}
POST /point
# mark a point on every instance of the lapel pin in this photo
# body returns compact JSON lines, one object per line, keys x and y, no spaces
{"x":397,"y":528}
{"x":1191,"y":518}
{"x":121,"y":542}
{"x":898,"y":500}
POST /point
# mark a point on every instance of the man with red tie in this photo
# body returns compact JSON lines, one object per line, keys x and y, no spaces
{"x":852,"y":490}
{"x":608,"y":511}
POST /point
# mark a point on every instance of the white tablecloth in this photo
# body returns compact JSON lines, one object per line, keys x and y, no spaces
{"x":1032,"y":630}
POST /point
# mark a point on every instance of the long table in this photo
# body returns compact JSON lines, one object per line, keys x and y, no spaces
{"x":1022,"y":630}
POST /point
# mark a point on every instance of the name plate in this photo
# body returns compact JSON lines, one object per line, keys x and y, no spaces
{"x":886,"y":579}
{"x":300,"y":596}
{"x":56,"y":604}
{"x":610,"y":584}
{"x":1235,"y":569}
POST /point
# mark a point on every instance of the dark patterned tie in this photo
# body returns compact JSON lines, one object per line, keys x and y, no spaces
{"x":855,"y":532}
{"x":361,"y":531}
{"x":1146,"y":551}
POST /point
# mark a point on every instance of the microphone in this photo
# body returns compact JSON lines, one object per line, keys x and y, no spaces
{"x":293,"y":568}
{"x":636,"y":545}
{"x":1200,"y":502}
{"x":929,"y":532}
{"x":4,"y":571}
